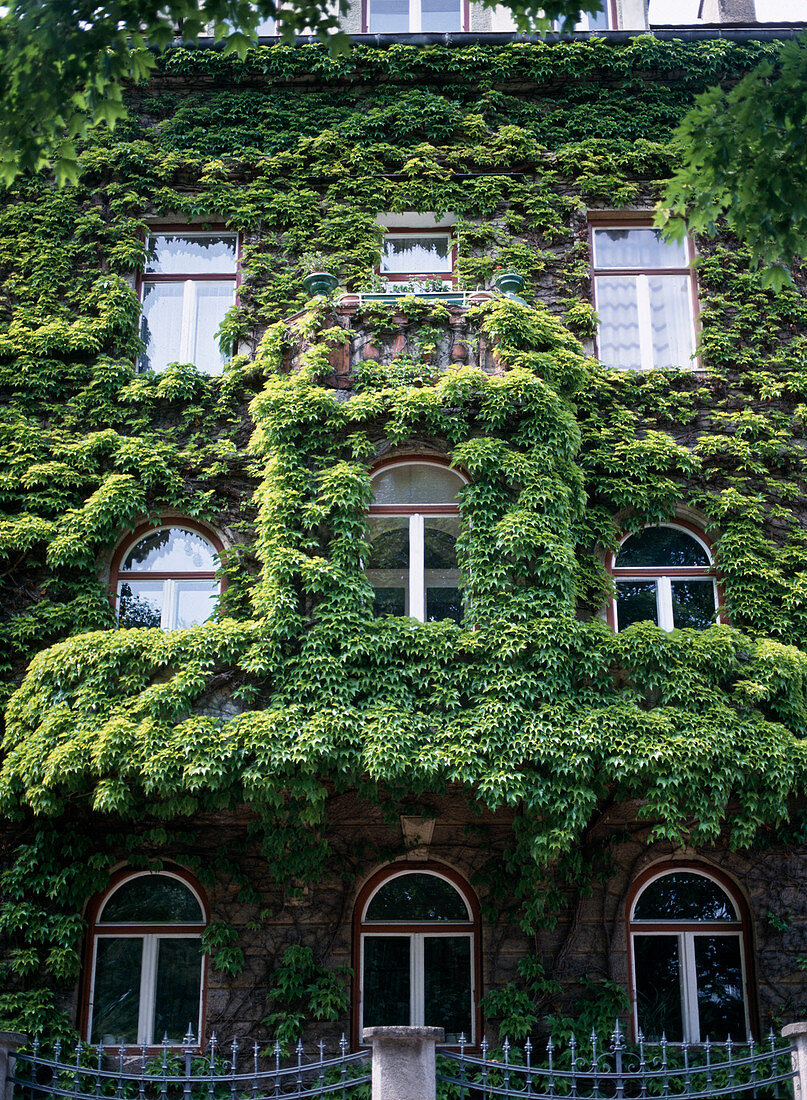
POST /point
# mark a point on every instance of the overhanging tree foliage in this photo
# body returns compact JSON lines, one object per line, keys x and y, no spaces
{"x":744,"y":164}
{"x":63,"y":64}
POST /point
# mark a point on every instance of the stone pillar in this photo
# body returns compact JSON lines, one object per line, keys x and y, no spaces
{"x":404,"y":1062}
{"x":10,"y":1043}
{"x":797,"y":1034}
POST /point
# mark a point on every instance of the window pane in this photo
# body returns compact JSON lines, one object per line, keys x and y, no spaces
{"x":661,"y":547}
{"x":172,"y":550}
{"x":116,"y":991}
{"x":447,"y":985}
{"x":212,"y":302}
{"x":635,"y":603}
{"x":637,"y":247}
{"x":440,"y":15}
{"x":417,"y":483}
{"x":416,"y":898}
{"x":671,"y":320}
{"x":140,"y":603}
{"x":388,"y":563}
{"x":389,"y":601}
{"x":389,"y":17}
{"x":618,"y":331}
{"x":196,"y":601}
{"x":176,"y":997}
{"x":152,"y":899}
{"x":658,"y":987}
{"x":420,"y":254}
{"x":721,"y":1007}
{"x":191,"y":254}
{"x":601,"y":20}
{"x":386,"y":990}
{"x":683,"y":896}
{"x":693,"y":603}
{"x":442,"y":575}
{"x":161,"y":324}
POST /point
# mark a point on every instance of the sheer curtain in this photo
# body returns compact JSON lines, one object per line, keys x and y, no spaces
{"x":671,"y":320}
{"x":415,"y":255}
{"x":618,"y":309}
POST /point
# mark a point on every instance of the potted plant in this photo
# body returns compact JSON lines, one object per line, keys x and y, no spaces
{"x":510,"y":282}
{"x":320,"y":282}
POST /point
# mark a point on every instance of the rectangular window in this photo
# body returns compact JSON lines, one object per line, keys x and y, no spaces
{"x":644,"y":296}
{"x":421,"y":254}
{"x":414,"y":16}
{"x":188,"y":285}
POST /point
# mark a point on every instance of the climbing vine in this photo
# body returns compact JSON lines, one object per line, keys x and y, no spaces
{"x":295,"y":691}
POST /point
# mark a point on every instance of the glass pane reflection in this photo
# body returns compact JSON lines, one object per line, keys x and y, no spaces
{"x":116,"y":992}
{"x":386,"y":981}
{"x":661,"y":547}
{"x":416,"y":898}
{"x":721,"y":1008}
{"x":140,"y":603}
{"x":683,"y":896}
{"x":635,"y":603}
{"x":693,"y":603}
{"x":172,"y":550}
{"x":152,"y":899}
{"x":447,"y":985}
{"x":179,"y":977}
{"x":658,"y":987}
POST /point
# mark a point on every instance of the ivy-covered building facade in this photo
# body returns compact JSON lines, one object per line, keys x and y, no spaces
{"x":403,"y":561}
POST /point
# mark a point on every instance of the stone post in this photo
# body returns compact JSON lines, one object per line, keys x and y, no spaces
{"x":10,"y":1043}
{"x":797,"y":1034}
{"x":404,"y":1062}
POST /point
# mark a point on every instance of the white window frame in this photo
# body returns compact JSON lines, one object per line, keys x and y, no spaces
{"x":641,"y":280}
{"x":664,"y":576}
{"x":415,"y":603}
{"x":688,"y":977}
{"x":149,"y":959}
{"x":189,"y":328}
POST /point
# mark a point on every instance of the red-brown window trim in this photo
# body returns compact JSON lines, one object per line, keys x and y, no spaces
{"x":414,"y":276}
{"x":730,"y":887}
{"x":463,"y":887}
{"x":651,"y":572}
{"x":126,"y":544}
{"x":624,"y":219}
{"x":94,"y":907}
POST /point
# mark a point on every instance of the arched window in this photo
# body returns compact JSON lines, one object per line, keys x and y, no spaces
{"x":417,"y":934}
{"x":413,"y":528}
{"x":166,"y":577}
{"x":664,"y":574}
{"x":687,"y":933}
{"x":147,"y":966}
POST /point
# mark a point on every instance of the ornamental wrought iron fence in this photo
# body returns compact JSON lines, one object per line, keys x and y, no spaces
{"x":232,"y":1072}
{"x":620,"y":1070}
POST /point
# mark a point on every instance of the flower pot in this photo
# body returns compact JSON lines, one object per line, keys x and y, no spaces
{"x":509,"y":283}
{"x":320,"y":282}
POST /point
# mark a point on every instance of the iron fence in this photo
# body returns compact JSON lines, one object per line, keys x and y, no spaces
{"x":619,"y":1070}
{"x":188,"y":1073}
